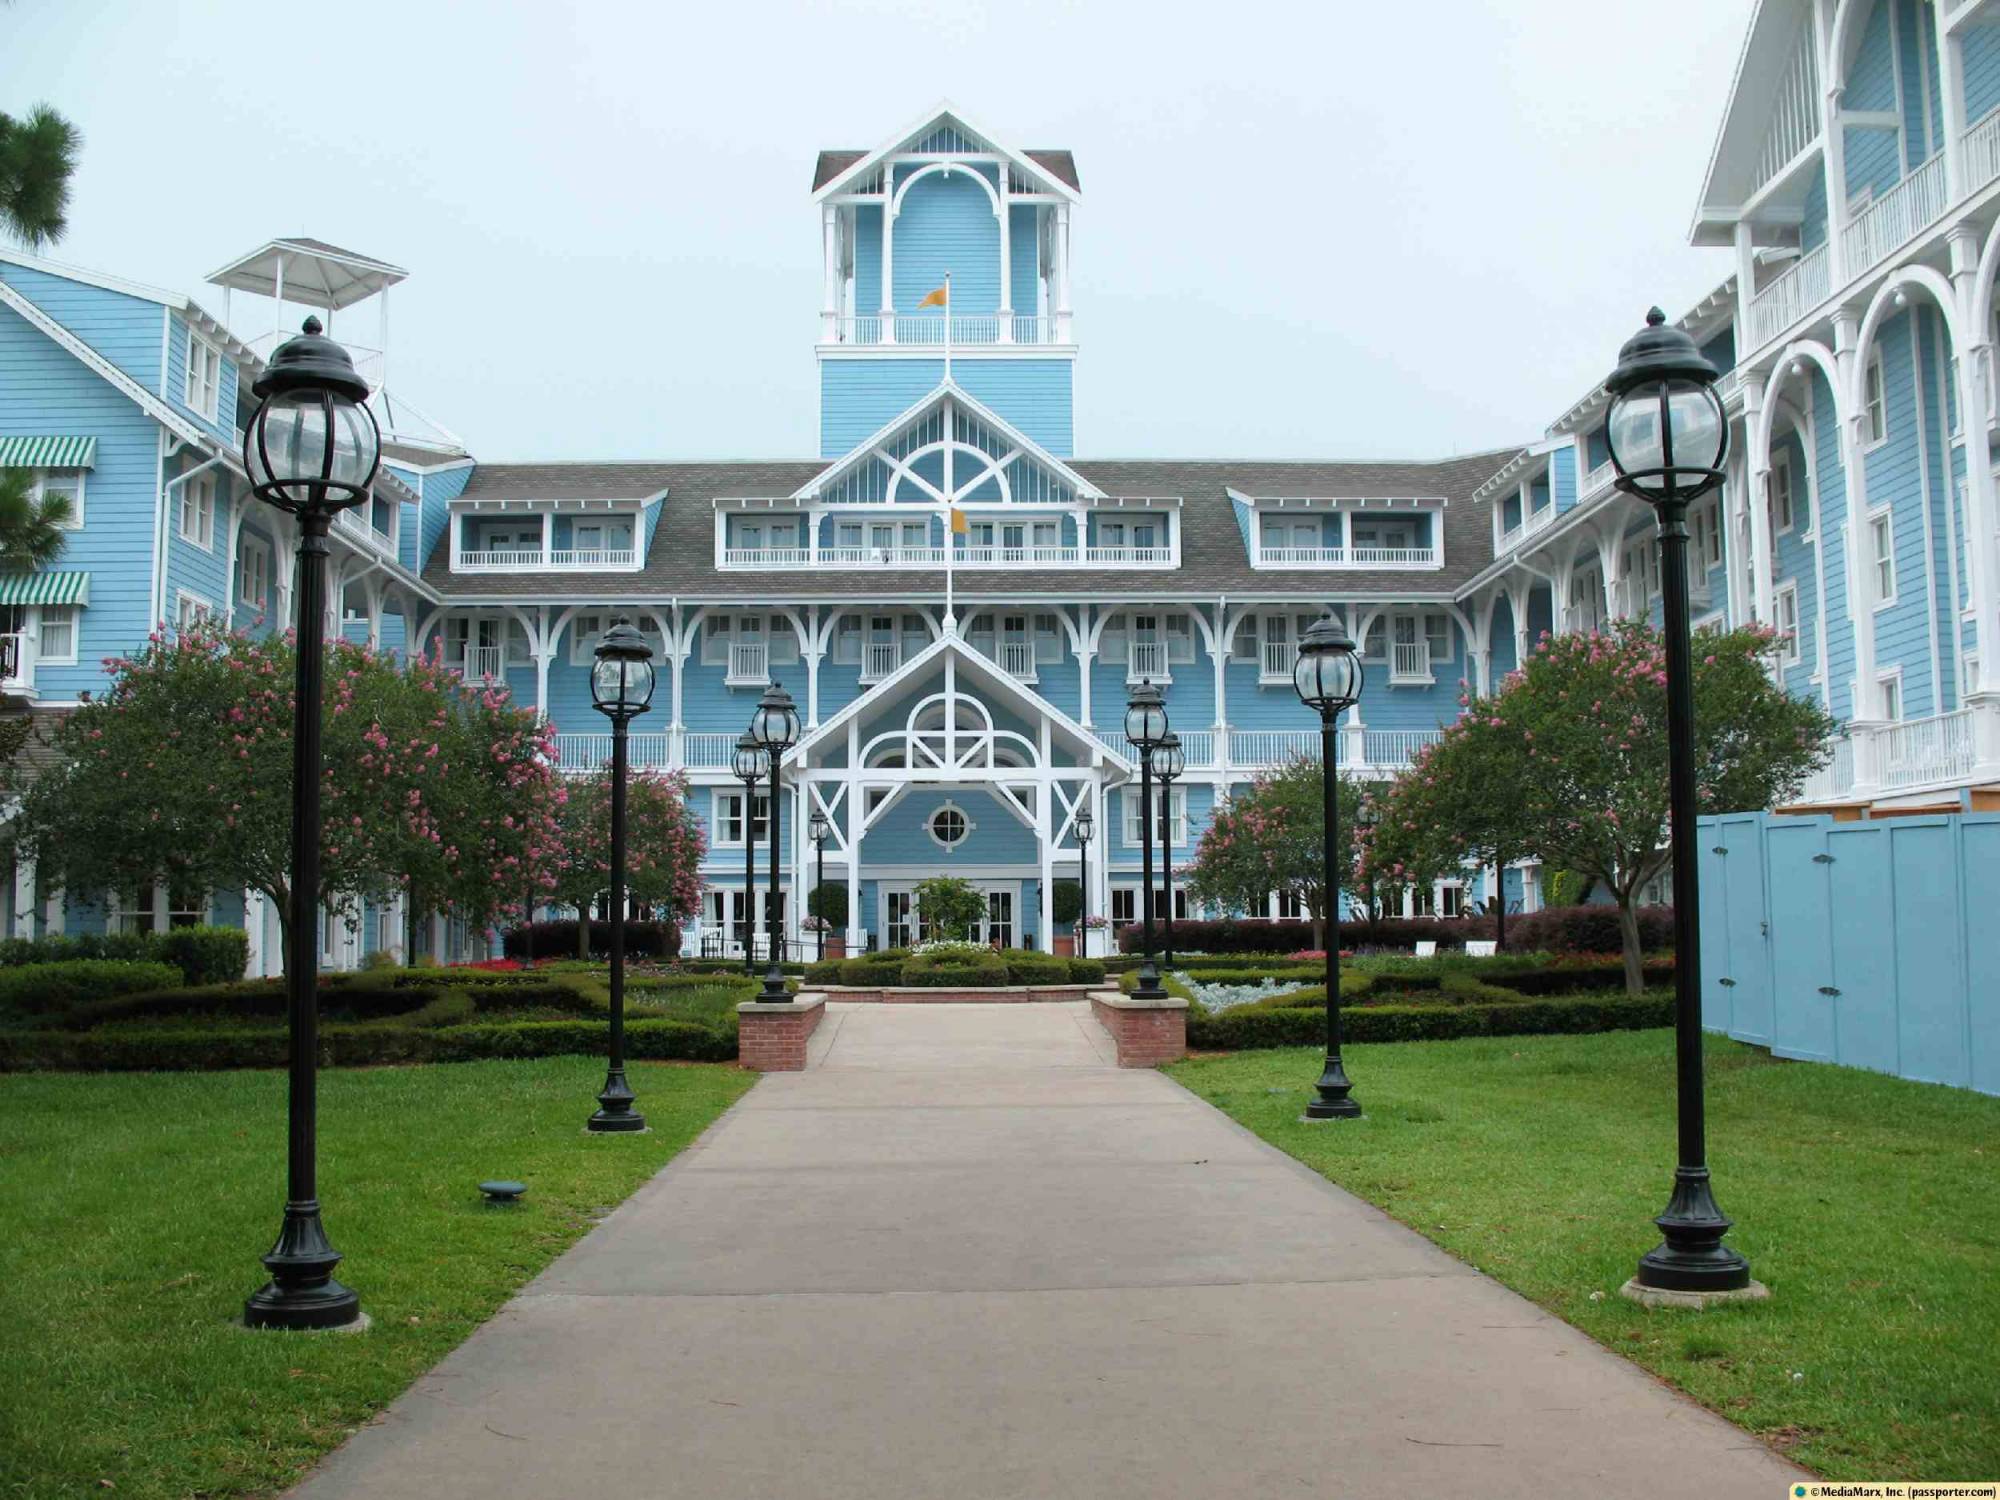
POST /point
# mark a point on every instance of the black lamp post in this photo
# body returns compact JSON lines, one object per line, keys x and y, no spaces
{"x":1327,"y":676}
{"x":1668,"y":436}
{"x":311,"y":450}
{"x":751,"y":764}
{"x":621,"y":688}
{"x":1168,"y":763}
{"x":1086,"y":825}
{"x":1145,"y":727}
{"x":775,"y":727}
{"x":819,"y":828}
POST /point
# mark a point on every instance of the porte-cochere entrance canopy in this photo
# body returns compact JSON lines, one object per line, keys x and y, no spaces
{"x":949,"y":766}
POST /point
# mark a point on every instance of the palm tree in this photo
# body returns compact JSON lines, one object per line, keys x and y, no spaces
{"x":37,"y":156}
{"x":32,"y":532}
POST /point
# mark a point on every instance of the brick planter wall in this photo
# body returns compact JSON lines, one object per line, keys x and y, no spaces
{"x":1147,"y":1032}
{"x":773,"y":1038}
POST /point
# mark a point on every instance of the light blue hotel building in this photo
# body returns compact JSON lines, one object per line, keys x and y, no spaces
{"x":962,"y":692}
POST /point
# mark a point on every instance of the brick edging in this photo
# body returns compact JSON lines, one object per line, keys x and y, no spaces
{"x":1145,"y":1032}
{"x":774,"y":1038}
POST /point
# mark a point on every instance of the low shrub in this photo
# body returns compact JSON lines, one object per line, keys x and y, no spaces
{"x":1025,"y":966}
{"x":557,"y":939}
{"x":950,"y":968}
{"x":1589,"y":929}
{"x":204,"y":955}
{"x":1086,"y":971}
{"x":35,"y":991}
{"x":1244,"y":1027}
{"x":1261,"y":936}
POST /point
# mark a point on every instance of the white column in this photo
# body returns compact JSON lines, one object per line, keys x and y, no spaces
{"x":1746,"y":281}
{"x":1084,"y":659}
{"x":1045,"y":926}
{"x":1761,"y":585}
{"x":829,"y":305}
{"x":457,"y":526}
{"x":1834,"y":162}
{"x":1860,"y":576}
{"x":1219,"y":651}
{"x":1062,"y":331}
{"x":888,"y":258}
{"x":542,"y":660}
{"x":1975,"y":405}
{"x":853,"y":810}
{"x":1951,"y":106}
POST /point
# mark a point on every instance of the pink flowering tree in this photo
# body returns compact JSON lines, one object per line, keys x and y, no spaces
{"x":1568,"y":761}
{"x":1273,"y":838}
{"x":180,"y":771}
{"x":664,"y":845}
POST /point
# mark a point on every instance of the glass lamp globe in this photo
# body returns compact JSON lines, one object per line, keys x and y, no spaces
{"x":1170,"y":759}
{"x":818,"y":827}
{"x":621,"y":681}
{"x":1146,"y":717}
{"x":1327,"y":673}
{"x":775,"y":724}
{"x":1086,"y":826}
{"x":312,"y":445}
{"x":1666,"y":430}
{"x":751,"y":762}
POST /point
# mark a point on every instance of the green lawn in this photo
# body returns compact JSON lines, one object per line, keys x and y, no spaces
{"x":1869,"y":1205}
{"x":133,"y":1208}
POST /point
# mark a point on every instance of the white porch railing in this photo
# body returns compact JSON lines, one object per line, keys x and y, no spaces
{"x":356,"y":521}
{"x":767,"y":557}
{"x":1017,"y":660}
{"x":845,"y":557}
{"x":1907,"y":209}
{"x":707,"y":751}
{"x":560,"y":560}
{"x":1789,"y":297}
{"x":1128,"y":557}
{"x":749,"y":661}
{"x":485,"y":661}
{"x":1271,"y":747}
{"x":1982,"y":152}
{"x":1275,"y":662}
{"x":1349,"y":557}
{"x":1410,"y":663}
{"x":1599,"y":478}
{"x":802,"y":559}
{"x":1394,"y":749}
{"x":1148,"y":660}
{"x":579,"y":753}
{"x":1918,"y":752}
{"x":928,"y":329}
{"x":879,"y":659}
{"x":1527,"y":526}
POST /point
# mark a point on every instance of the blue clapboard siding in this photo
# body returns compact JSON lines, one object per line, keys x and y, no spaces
{"x":438,"y":490}
{"x":1981,"y":50}
{"x":1830,"y":484}
{"x":947,"y":226}
{"x":1913,"y":991}
{"x":222,"y":423}
{"x":1024,"y":258}
{"x":45,"y":390}
{"x":1562,"y":477}
{"x":125,"y":329}
{"x":859,"y":397}
{"x":1895,"y":480}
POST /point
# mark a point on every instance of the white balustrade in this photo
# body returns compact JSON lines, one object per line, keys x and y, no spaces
{"x":927,"y":329}
{"x":1017,"y":660}
{"x":880,"y":659}
{"x":1395,"y":748}
{"x":1918,"y":752}
{"x":1788,"y":298}
{"x":749,"y":661}
{"x":1906,"y":210}
{"x":535,"y":560}
{"x":1982,"y":152}
{"x":1149,"y":660}
{"x":1128,"y":557}
{"x":1277,"y":662}
{"x":1272,"y":747}
{"x":485,"y":661}
{"x":581,"y":753}
{"x":1348,"y":557}
{"x":708,"y":752}
{"x":357,"y":521}
{"x":1410,"y":663}
{"x":801,"y":559}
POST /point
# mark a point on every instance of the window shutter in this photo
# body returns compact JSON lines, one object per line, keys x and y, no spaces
{"x":1244,"y":645}
{"x":784,"y":643}
{"x":715,"y":641}
{"x":1180,"y":639}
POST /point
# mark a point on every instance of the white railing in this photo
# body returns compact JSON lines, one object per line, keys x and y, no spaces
{"x":1789,"y":297}
{"x":369,"y":362}
{"x":767,"y":557}
{"x":485,"y":661}
{"x":873,"y":557}
{"x":356,"y":519}
{"x":1275,"y":664}
{"x":1907,"y":209}
{"x":535,"y":560}
{"x":1395,"y":748}
{"x":1271,"y":747}
{"x":579,"y":753}
{"x":798,"y":559}
{"x":1148,"y":659}
{"x":1527,"y":526}
{"x":708,"y":751}
{"x":1349,"y":557}
{"x":927,"y":330}
{"x":985,"y":557}
{"x":1410,"y":662}
{"x":1198,"y":745}
{"x":1138,"y":557}
{"x":1918,"y":752}
{"x":17,"y":659}
{"x":1599,"y":478}
{"x":1794,"y":111}
{"x":749,"y":661}
{"x":1017,"y":660}
{"x":880,"y":659}
{"x":1582,"y":619}
{"x":1982,"y":152}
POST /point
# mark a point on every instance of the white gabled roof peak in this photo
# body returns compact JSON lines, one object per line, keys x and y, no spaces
{"x":942,"y":113}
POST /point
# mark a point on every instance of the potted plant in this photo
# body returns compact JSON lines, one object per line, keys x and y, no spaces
{"x":828,"y":905}
{"x":1066,"y":905}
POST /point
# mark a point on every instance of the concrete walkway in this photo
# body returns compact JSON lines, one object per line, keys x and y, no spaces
{"x":965,"y":1256}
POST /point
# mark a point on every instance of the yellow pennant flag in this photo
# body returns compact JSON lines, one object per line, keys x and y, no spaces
{"x":959,"y":525}
{"x":937,"y":298}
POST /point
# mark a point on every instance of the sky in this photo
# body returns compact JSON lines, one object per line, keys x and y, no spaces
{"x":1308,"y":230}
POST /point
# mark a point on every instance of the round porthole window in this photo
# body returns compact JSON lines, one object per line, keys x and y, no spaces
{"x":949,"y":826}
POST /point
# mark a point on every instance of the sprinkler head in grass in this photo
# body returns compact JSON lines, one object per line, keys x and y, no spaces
{"x":503,"y":1193}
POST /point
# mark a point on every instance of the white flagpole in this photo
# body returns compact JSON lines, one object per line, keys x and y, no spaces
{"x":947,"y":325}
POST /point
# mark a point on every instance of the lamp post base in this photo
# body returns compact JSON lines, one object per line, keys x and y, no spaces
{"x":774,"y":991}
{"x":1692,"y":1257}
{"x":1148,"y":986}
{"x":302,"y":1292}
{"x":615,"y":1112}
{"x":1336,"y":1099}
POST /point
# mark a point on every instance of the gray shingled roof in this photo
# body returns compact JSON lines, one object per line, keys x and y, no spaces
{"x":681,"y":560}
{"x":1059,"y":164}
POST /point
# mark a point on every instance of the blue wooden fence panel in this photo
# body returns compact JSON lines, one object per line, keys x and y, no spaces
{"x":1866,"y":944}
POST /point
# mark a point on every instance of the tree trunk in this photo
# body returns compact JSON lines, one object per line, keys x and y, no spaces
{"x":1628,"y":932}
{"x":281,"y":901}
{"x":1500,"y":908}
{"x":583,"y":932}
{"x":1319,"y":924}
{"x":412,"y":908}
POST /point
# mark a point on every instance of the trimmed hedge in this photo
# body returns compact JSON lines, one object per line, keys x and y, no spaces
{"x":557,"y":939}
{"x":52,"y":989}
{"x":1245,"y":1027}
{"x":204,"y":955}
{"x":949,"y":970}
{"x":1260,"y":935}
{"x":886,"y":969}
{"x":1590,"y":929}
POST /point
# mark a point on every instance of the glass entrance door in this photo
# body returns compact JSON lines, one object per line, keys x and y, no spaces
{"x":999,"y":919}
{"x":899,"y":919}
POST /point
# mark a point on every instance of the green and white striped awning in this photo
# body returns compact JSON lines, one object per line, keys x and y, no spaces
{"x":48,"y":452}
{"x":44,"y":588}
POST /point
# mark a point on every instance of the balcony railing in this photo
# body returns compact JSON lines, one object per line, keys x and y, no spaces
{"x":1410,"y":663}
{"x":1527,"y":526}
{"x":708,"y":751}
{"x":1395,"y":748}
{"x":1919,"y":752}
{"x":587,"y":752}
{"x":1789,"y":297}
{"x":1275,"y":661}
{"x":927,"y":330}
{"x":1349,"y":557}
{"x":749,"y":662}
{"x":804,"y":559}
{"x":1906,"y":210}
{"x":1148,"y":660}
{"x":1599,"y":478}
{"x":1017,"y":660}
{"x":880,"y":659}
{"x":1982,"y":151}
{"x":1198,"y":745}
{"x":560,"y":560}
{"x":1381,"y":749}
{"x":356,"y":521}
{"x":482,"y":662}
